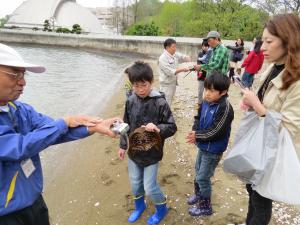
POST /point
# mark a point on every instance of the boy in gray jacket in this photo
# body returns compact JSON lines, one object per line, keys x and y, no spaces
{"x":148,"y":109}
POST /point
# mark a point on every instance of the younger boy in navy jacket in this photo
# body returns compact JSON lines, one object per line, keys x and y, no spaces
{"x":211,"y":131}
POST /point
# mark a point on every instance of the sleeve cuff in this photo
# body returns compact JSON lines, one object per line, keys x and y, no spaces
{"x":123,"y":147}
{"x":61,"y":125}
{"x":173,"y":72}
{"x":81,"y":131}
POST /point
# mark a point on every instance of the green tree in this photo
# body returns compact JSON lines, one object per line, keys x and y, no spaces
{"x":62,"y":30}
{"x":47,"y":26}
{"x":76,"y":29}
{"x":172,"y":18}
{"x":144,"y":30}
{"x":195,"y":18}
{"x":3,"y":21}
{"x":278,"y":6}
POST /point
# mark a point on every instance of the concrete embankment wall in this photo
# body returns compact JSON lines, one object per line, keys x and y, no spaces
{"x":149,"y":46}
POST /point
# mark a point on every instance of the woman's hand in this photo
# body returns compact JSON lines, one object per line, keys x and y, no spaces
{"x":151,"y":127}
{"x":250,"y":99}
{"x":244,"y":106}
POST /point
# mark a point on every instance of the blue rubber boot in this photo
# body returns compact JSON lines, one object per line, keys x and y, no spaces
{"x":203,"y":208}
{"x":161,"y":212}
{"x":196,"y":196}
{"x":140,"y":207}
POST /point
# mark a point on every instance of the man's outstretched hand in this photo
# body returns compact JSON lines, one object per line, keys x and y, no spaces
{"x":75,"y":121}
{"x":94,"y":124}
{"x":104,"y":127}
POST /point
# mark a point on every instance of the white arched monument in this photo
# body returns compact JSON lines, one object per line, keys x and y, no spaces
{"x":63,"y":13}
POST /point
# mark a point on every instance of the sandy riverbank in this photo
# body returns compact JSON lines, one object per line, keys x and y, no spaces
{"x":89,"y":185}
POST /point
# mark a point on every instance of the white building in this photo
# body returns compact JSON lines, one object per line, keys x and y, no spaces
{"x":63,"y":13}
{"x":105,"y":16}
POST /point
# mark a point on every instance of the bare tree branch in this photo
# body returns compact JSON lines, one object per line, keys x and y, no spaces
{"x":277,"y":6}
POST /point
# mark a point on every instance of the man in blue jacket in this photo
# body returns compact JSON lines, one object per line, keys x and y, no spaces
{"x":24,"y":133}
{"x":210,"y":133}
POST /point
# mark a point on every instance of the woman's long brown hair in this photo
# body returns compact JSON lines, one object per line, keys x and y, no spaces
{"x":287,"y":28}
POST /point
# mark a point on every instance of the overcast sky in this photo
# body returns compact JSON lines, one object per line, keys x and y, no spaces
{"x":8,"y":6}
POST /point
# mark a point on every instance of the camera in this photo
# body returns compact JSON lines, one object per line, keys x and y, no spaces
{"x":119,"y":127}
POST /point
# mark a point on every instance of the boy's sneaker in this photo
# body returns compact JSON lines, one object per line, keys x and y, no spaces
{"x":203,"y":208}
{"x":196,"y":196}
{"x":193,"y":199}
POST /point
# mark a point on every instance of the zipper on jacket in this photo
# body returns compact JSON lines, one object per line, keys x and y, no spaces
{"x":12,"y":117}
{"x":205,"y":114}
{"x":208,"y":146}
{"x":14,"y":122}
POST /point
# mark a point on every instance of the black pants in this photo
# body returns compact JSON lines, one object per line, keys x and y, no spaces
{"x":36,"y":214}
{"x":259,"y":208}
{"x":231,"y":73}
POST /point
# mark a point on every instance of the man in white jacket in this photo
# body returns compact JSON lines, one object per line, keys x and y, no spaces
{"x":167,"y":64}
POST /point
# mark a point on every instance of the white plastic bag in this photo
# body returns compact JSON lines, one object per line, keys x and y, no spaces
{"x":281,"y":182}
{"x":254,"y":147}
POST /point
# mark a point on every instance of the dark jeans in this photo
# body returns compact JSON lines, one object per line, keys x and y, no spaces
{"x":259,"y":208}
{"x":206,"y":164}
{"x":36,"y":214}
{"x":247,"y":79}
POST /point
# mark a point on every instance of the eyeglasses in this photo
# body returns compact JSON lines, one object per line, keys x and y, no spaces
{"x":142,"y":86}
{"x":18,"y":75}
